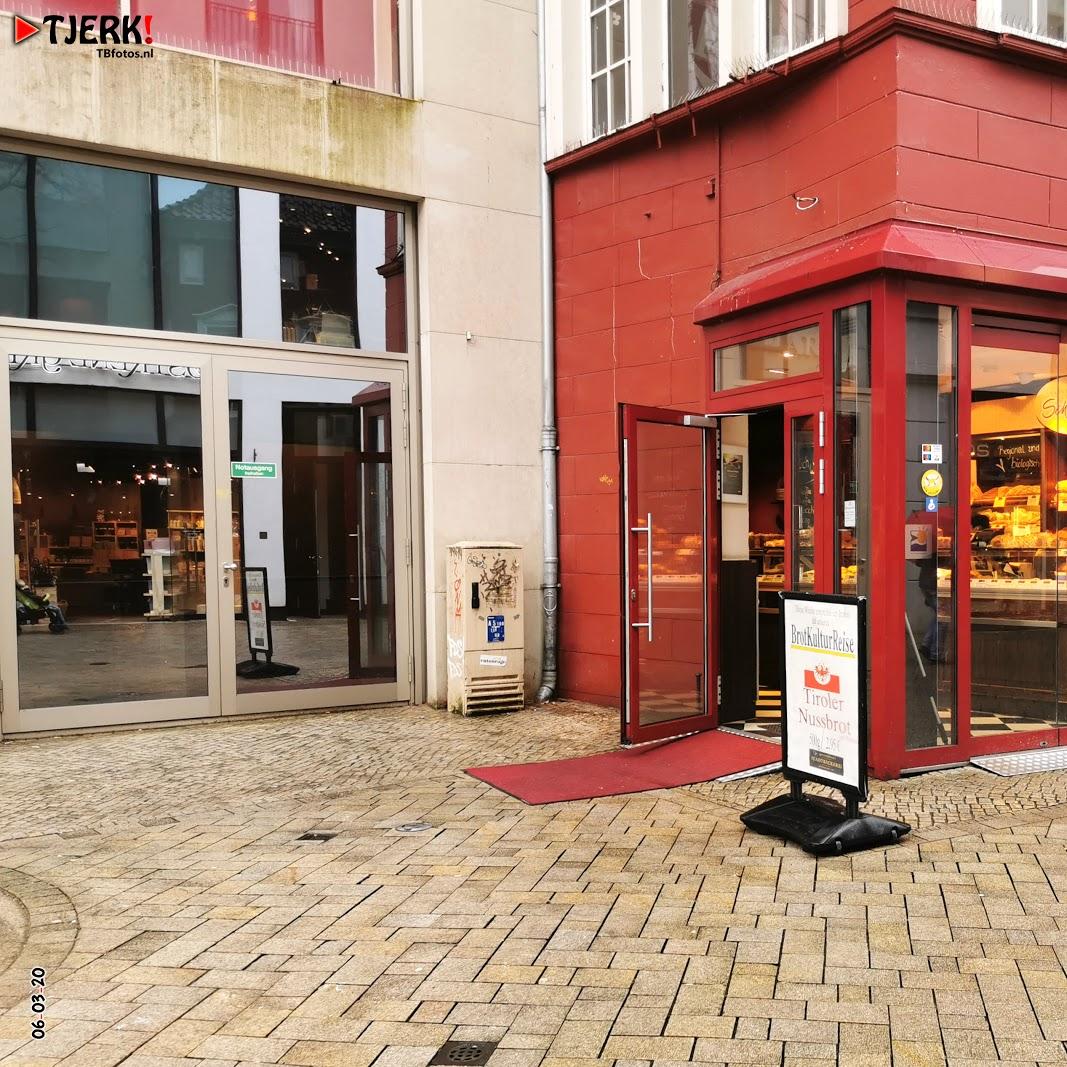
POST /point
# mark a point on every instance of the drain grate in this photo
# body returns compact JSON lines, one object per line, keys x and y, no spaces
{"x":412,"y":827}
{"x":468,"y":1052}
{"x":316,"y":835}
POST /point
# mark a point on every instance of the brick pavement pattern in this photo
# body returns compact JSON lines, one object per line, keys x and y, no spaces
{"x":157,"y":876}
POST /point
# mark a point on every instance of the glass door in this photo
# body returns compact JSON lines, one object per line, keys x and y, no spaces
{"x":314,"y":551}
{"x":109,"y":536}
{"x":671,"y":517}
{"x":807,"y":540}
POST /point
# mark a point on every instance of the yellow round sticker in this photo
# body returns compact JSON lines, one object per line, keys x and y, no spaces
{"x":932,"y":482}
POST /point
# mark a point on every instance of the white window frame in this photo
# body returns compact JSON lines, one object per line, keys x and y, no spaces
{"x":631,"y":61}
{"x":825,"y":13}
{"x":991,"y":17}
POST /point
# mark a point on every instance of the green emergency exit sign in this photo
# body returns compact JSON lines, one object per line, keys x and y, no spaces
{"x":253,"y":470}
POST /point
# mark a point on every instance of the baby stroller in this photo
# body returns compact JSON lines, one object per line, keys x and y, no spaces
{"x":30,"y":608}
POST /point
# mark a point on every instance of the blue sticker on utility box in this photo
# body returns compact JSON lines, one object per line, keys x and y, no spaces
{"x":495,"y":628}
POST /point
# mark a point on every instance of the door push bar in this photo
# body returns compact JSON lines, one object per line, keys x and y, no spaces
{"x":647,"y":531}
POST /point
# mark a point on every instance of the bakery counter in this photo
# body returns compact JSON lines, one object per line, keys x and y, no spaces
{"x":1015,"y":642}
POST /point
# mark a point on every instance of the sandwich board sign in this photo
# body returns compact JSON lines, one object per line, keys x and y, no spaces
{"x":824,"y":728}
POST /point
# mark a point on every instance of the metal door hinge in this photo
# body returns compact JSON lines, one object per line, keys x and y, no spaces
{"x":718,"y":691}
{"x":718,"y":484}
{"x":822,"y":428}
{"x":407,"y":552}
{"x":822,"y":476}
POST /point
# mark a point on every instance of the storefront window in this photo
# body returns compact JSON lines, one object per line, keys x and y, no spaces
{"x":786,"y":355}
{"x":1018,"y":523}
{"x":14,"y":237}
{"x":94,"y":244}
{"x":930,"y":481}
{"x":109,"y":531}
{"x":198,"y":256}
{"x":342,"y":275}
{"x":852,"y":345}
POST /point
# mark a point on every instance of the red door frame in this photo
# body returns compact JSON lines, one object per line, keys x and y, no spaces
{"x":631,"y":730}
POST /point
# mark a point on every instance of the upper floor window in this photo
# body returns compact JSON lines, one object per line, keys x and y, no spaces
{"x":1046,"y":19}
{"x":794,"y":24}
{"x":354,"y":41}
{"x":114,"y":247}
{"x":694,"y":47}
{"x":609,"y":64}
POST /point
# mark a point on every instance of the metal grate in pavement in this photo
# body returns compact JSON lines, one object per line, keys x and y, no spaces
{"x":1010,"y":764}
{"x":472,"y":1053}
{"x":315,"y":835}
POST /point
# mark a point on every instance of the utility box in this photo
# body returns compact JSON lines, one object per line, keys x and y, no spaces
{"x":485,"y":627}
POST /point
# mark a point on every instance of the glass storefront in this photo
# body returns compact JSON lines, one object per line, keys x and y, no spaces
{"x":108,"y":494}
{"x":1018,"y":501}
{"x":165,"y":568}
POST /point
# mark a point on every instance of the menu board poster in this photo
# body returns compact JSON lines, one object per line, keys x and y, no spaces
{"x":1007,"y":461}
{"x":257,"y":607}
{"x":824,"y":690}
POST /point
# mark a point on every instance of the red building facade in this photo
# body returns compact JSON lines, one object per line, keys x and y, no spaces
{"x":906,"y":182}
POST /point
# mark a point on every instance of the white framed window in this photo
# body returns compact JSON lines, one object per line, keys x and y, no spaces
{"x":609,"y":65}
{"x":692,"y":48}
{"x":792,"y":25}
{"x":1044,"y":19}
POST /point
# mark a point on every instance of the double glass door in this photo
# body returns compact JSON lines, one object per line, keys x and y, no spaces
{"x":200,"y":534}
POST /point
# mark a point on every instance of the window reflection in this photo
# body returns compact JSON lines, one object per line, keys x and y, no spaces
{"x":14,"y":237}
{"x":694,"y":47}
{"x":198,"y":252}
{"x":94,"y":244}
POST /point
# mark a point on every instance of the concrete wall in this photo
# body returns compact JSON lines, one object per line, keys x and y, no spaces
{"x":465,"y":149}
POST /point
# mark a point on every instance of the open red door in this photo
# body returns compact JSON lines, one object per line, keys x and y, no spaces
{"x":670,"y":554}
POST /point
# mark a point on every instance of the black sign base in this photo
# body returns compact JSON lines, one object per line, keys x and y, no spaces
{"x":823,"y":827}
{"x":261,"y":668}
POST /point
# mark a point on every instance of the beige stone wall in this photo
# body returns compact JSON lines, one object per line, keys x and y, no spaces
{"x":465,"y":150}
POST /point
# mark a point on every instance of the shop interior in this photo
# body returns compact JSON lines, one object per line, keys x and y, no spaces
{"x":753,"y":570}
{"x":1018,"y":501}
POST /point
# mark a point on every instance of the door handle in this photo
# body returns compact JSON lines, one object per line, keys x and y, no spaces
{"x":230,"y":567}
{"x":227,"y":570}
{"x":647,"y":531}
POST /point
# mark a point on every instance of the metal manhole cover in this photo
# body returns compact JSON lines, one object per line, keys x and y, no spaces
{"x":313,"y":835}
{"x":469,"y":1052}
{"x":414,"y":828}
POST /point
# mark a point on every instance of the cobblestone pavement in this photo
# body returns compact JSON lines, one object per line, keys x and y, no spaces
{"x":158,"y":879}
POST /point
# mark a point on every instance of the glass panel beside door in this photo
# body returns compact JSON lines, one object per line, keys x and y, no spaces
{"x":112,"y":607}
{"x":312,"y":568}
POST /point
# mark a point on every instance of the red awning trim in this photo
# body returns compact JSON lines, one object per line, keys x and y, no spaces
{"x":893,"y":246}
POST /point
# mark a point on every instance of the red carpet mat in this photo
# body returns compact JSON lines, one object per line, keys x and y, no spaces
{"x":661,"y":765}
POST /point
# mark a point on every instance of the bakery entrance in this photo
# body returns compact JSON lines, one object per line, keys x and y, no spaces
{"x":774,"y":484}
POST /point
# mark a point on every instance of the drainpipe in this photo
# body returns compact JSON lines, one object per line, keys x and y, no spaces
{"x":549,"y":434}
